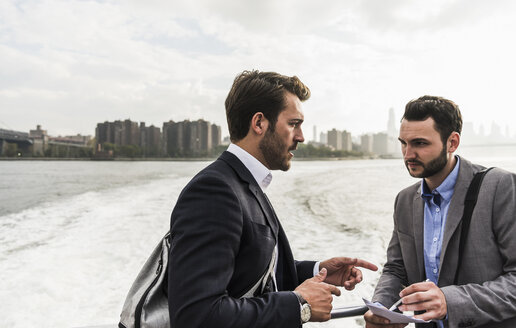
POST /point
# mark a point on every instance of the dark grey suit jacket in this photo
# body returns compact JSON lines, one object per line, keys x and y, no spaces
{"x":223,"y":232}
{"x":486,"y":294}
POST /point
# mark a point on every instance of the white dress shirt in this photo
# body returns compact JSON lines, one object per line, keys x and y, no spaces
{"x":263,"y":177}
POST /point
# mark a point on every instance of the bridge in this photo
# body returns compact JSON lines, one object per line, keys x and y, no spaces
{"x":15,"y":136}
{"x":10,"y":137}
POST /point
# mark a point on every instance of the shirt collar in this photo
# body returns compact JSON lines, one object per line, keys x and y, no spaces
{"x":260,"y":173}
{"x":445,"y":189}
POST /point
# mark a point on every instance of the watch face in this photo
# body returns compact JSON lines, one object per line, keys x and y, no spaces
{"x":306,"y":312}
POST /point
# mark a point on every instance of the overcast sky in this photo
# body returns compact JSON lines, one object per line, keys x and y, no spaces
{"x":68,"y":65}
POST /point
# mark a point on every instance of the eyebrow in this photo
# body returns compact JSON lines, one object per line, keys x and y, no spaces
{"x":414,"y":140}
{"x":296,"y":120}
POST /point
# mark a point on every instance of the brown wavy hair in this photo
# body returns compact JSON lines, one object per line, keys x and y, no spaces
{"x":255,"y":91}
{"x":444,"y":112}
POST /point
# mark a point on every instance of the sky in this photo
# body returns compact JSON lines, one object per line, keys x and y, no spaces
{"x":68,"y":65}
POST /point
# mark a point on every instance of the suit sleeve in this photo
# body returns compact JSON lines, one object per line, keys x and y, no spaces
{"x":305,"y":270}
{"x":394,"y":274}
{"x":494,"y":300}
{"x":206,"y":234}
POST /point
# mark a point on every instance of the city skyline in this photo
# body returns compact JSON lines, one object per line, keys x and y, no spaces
{"x":475,"y":134}
{"x":64,"y":64}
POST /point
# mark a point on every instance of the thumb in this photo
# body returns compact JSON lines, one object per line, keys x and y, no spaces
{"x":321,"y":275}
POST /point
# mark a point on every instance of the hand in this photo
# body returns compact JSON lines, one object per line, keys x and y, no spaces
{"x":424,"y":296}
{"x":373,"y":321}
{"x":318,"y":295}
{"x":342,"y":271}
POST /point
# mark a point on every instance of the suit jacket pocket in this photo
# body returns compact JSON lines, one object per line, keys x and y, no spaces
{"x":404,"y":235}
{"x":407,"y":242}
{"x":261,"y":230}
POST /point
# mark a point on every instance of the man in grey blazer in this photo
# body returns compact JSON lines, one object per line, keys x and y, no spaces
{"x":423,"y":251}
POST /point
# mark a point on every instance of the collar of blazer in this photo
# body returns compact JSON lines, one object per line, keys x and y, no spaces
{"x":244,"y":174}
{"x":466,"y":172}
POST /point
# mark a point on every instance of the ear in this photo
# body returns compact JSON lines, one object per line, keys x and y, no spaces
{"x":453,"y":142}
{"x":259,"y":123}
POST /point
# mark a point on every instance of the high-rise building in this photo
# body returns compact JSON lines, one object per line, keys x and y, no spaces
{"x":216,"y":135}
{"x":40,"y":141}
{"x":173,"y":144}
{"x":381,"y":143}
{"x":495,"y":136}
{"x":110,"y":132}
{"x":347,"y":143}
{"x":184,"y":138}
{"x":392,"y":131}
{"x":150,"y":140}
{"x":366,"y":143}
{"x":205,"y":136}
{"x":188,"y":138}
{"x":323,"y":138}
{"x":335,"y":139}
{"x":130,"y":133}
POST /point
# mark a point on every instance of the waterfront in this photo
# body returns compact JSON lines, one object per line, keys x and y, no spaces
{"x":73,"y":235}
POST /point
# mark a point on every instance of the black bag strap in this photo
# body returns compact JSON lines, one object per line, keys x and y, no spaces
{"x":469,"y":205}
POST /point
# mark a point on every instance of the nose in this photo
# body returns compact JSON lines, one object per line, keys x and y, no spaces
{"x":298,"y":137}
{"x":408,"y":152}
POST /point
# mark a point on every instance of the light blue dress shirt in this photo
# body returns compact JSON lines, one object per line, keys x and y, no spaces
{"x":437,"y":203}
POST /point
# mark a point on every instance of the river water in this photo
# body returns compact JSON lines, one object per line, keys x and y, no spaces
{"x":74,"y":234}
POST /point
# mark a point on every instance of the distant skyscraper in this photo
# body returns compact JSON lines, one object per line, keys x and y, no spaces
{"x":481,"y":131}
{"x":335,"y":139}
{"x":187,"y":138}
{"x":315,"y":134}
{"x":468,"y":135}
{"x":347,"y":143}
{"x":366,"y":143}
{"x":216,"y":135}
{"x":392,"y":131}
{"x":496,"y":133}
{"x":381,"y":143}
{"x":323,"y":138}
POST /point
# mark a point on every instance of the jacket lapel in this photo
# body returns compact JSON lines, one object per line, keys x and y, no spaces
{"x":418,"y":222}
{"x":454,"y":217}
{"x":286,"y":274}
{"x":266,"y":206}
{"x":255,"y":190}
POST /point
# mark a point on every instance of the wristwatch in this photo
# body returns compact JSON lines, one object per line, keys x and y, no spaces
{"x":306,"y":310}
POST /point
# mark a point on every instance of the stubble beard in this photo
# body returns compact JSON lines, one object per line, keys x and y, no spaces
{"x":431,"y":168}
{"x":274,"y":151}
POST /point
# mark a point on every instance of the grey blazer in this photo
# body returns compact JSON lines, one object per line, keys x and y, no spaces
{"x":486,"y":294}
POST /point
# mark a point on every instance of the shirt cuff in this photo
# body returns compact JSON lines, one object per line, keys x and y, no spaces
{"x":316,"y":268}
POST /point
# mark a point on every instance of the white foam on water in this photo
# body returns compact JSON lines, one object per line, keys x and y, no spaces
{"x":71,"y":263}
{"x":338,"y":209}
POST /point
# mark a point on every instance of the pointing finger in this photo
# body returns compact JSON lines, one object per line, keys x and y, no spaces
{"x":366,"y":265}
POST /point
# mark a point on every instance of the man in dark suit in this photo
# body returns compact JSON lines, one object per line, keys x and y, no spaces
{"x":427,"y":230}
{"x":225,"y":236}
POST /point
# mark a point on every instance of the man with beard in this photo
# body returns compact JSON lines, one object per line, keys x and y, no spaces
{"x":230,"y":261}
{"x":424,"y":250}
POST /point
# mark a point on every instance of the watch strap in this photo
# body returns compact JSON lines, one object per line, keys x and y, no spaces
{"x":300,"y":298}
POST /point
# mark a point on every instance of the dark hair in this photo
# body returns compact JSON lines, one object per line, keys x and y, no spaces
{"x":255,"y":91}
{"x":444,"y":112}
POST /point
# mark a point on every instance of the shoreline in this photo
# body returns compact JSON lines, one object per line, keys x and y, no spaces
{"x":185,"y":159}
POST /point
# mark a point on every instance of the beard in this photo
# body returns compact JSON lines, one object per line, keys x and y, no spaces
{"x":275,"y":151}
{"x":432,"y":167}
